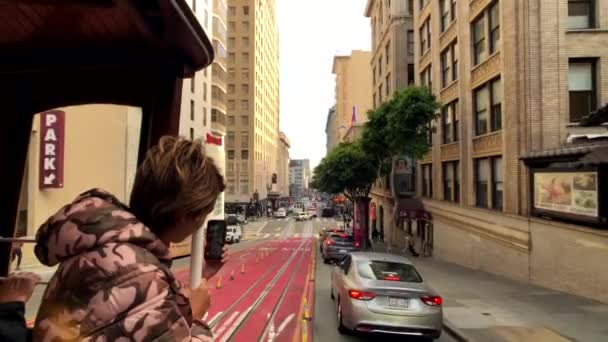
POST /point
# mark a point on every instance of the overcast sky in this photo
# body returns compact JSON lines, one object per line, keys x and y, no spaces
{"x":311,"y":33}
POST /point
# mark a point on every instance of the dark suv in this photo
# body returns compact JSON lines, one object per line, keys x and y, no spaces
{"x":336,"y":245}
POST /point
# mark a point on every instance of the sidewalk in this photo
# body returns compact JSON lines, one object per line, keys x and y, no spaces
{"x":486,"y":307}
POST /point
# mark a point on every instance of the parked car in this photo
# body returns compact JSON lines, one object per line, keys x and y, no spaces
{"x":336,"y":245}
{"x":281,"y":212}
{"x":234,"y":230}
{"x":384,"y":293}
{"x":328,"y":212}
{"x":324,"y":233}
{"x":302,"y":216}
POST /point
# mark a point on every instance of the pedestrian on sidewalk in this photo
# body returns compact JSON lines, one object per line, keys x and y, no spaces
{"x":15,"y":291}
{"x":114,"y":280}
{"x":16,"y":252}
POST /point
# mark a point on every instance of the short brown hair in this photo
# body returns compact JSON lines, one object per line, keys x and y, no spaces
{"x":175,"y":177}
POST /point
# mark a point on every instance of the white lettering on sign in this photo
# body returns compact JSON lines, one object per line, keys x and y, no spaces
{"x":50,"y":119}
{"x":49,"y":163}
{"x":50,"y":135}
{"x":52,"y":127}
{"x":49,"y":149}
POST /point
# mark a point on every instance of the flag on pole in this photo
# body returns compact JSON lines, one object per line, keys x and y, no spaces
{"x":354,"y":118}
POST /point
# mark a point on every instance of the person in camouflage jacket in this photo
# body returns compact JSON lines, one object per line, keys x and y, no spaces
{"x":114,"y":281}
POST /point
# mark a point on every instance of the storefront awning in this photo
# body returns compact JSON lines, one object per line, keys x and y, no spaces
{"x":411,"y":209}
{"x":587,"y":155}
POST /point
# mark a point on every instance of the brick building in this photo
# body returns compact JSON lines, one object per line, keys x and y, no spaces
{"x":513,"y":77}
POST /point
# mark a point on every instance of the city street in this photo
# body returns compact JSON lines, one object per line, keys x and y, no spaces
{"x":264,"y":290}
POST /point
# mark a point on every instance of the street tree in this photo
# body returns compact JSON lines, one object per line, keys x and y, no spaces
{"x":400,"y":126}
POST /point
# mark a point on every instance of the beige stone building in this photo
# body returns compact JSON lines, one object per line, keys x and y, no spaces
{"x":283,"y":164}
{"x":253,"y":98}
{"x":513,"y":77}
{"x":353,"y":92}
{"x":392,"y":68}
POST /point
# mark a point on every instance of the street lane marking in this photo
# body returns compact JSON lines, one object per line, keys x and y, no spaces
{"x":262,"y":227}
{"x":226,"y":324}
{"x":297,"y":235}
{"x":277,"y":234}
{"x":266,"y":236}
{"x":278,"y":229}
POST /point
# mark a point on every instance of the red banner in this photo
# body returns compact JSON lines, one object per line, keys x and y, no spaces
{"x":52,"y":138}
{"x":215,"y":140}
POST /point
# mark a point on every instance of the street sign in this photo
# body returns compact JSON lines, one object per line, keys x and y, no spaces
{"x":52,"y":136}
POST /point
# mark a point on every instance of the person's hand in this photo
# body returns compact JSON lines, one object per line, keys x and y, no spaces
{"x":18,"y":287}
{"x":199,"y":300}
{"x":213,"y":266}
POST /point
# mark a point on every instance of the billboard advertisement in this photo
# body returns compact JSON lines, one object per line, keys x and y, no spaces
{"x":567,"y":192}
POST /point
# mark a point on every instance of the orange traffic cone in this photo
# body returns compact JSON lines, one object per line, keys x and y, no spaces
{"x":218,"y":285}
{"x":243,"y":268}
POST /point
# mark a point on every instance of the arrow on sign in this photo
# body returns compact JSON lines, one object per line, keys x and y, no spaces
{"x":48,"y":180}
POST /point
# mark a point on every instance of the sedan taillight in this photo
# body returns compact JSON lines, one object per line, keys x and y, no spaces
{"x":357,"y":244}
{"x":329,"y":242}
{"x":432,"y":300}
{"x":361,"y":295}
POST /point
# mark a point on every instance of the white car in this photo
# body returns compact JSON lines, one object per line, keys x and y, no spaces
{"x":302,"y":216}
{"x":280,"y":213}
{"x":234,"y":231}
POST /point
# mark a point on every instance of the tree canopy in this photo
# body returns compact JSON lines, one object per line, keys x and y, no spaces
{"x":348,"y":169}
{"x":401,"y":125}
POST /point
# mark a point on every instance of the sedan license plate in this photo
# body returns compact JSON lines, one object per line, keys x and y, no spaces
{"x":398,"y":303}
{"x":343,"y":251}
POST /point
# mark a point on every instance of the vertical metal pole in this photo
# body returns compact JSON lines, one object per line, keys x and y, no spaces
{"x":196,"y":256}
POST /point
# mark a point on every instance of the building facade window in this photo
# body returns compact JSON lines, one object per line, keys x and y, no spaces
{"x":581,"y":14}
{"x":481,"y":176}
{"x":192,"y":83}
{"x":191,"y":133}
{"x":245,"y":120}
{"x":449,"y":64}
{"x":204,"y":117}
{"x":231,"y":121}
{"x":231,"y":10}
{"x":245,"y":104}
{"x":450,"y":122}
{"x":494,"y":25}
{"x":388,"y":84}
{"x":582,"y":87}
{"x":244,"y":139}
{"x":425,"y":36}
{"x":231,"y":89}
{"x":192,"y":110}
{"x":245,"y":154}
{"x":426,"y":78}
{"x":427,"y":180}
{"x":245,"y":88}
{"x":447,"y":11}
{"x":423,"y":3}
{"x":231,"y":105}
{"x":488,"y":107}
{"x":497,"y":183}
{"x":496,"y":105}
{"x":245,"y":10}
{"x":410,"y":74}
{"x":387,"y":50}
{"x":479,"y":40}
{"x":410,"y":42}
{"x":410,"y":7}
{"x":451,"y":181}
{"x":204,"y":91}
{"x":488,"y":179}
{"x":231,"y":26}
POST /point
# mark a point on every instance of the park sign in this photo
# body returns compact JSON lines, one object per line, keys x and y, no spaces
{"x":52,"y":138}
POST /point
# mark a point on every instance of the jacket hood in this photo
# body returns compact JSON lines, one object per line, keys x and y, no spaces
{"x":93,"y":219}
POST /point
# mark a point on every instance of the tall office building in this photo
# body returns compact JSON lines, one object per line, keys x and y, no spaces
{"x":515,"y":78}
{"x":353,"y":94}
{"x":283,"y":165}
{"x":299,"y":177}
{"x":194,"y":121}
{"x":253,"y":98}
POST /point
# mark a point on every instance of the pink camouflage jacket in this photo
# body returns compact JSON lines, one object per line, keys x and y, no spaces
{"x":113,"y":282}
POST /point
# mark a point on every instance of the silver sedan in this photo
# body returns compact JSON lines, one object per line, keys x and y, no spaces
{"x":383,"y":293}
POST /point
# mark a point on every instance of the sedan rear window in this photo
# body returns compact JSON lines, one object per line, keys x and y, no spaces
{"x":386,"y":270}
{"x":342,"y":238}
{"x":232,"y":221}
